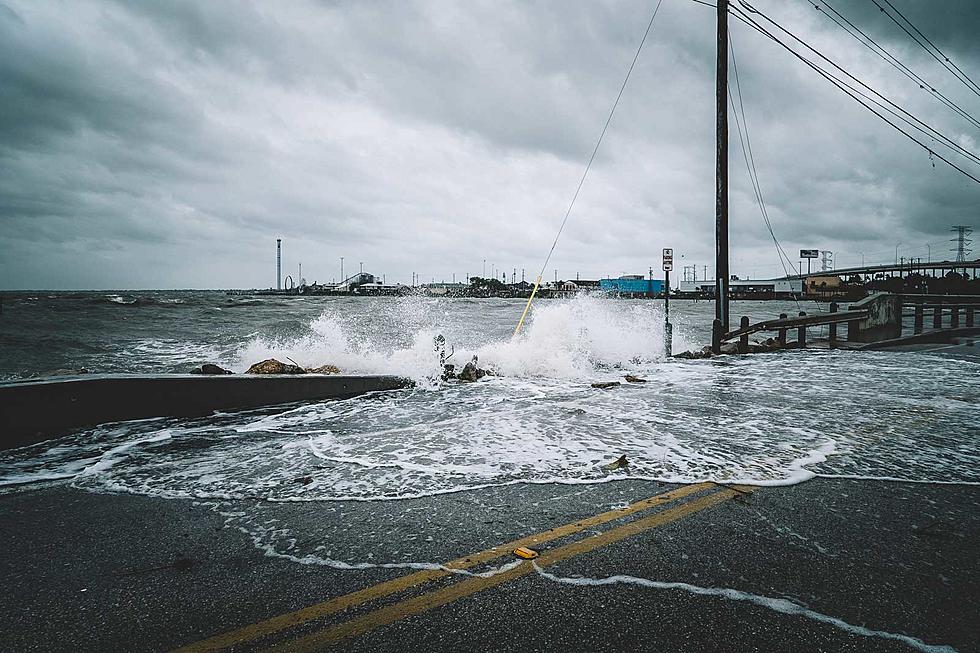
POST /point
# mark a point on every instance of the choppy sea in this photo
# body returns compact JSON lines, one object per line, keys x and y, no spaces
{"x":762,"y":419}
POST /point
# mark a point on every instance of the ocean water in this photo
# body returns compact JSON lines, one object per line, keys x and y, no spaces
{"x":762,"y":419}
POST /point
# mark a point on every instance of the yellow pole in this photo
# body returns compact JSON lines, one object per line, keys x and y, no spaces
{"x":527,"y":307}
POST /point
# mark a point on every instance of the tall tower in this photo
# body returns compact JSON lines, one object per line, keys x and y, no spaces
{"x":278,"y":263}
{"x":962,"y":241}
{"x":827,"y":260}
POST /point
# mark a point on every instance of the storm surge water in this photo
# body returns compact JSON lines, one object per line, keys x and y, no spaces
{"x":568,"y":340}
{"x":765,"y":419}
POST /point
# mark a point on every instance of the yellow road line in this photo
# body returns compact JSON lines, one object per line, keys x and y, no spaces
{"x":420,"y":604}
{"x":402,"y":583}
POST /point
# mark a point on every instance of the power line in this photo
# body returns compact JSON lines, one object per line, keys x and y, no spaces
{"x":588,"y":166}
{"x":855,"y":95}
{"x":595,"y":150}
{"x":936,"y":53}
{"x":911,"y":120}
{"x":862,"y":37}
{"x":749,"y":157}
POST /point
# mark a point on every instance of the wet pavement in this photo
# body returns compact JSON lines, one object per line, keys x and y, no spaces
{"x":826,"y":565}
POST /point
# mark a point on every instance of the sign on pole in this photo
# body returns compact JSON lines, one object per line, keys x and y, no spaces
{"x":809,"y":253}
{"x":668,"y":259}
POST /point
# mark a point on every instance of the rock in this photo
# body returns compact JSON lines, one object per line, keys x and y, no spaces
{"x":729,"y":348}
{"x":471,"y":373}
{"x":619,"y":463}
{"x":634,"y":379}
{"x":210,"y":369}
{"x":448,"y":371}
{"x":272,"y":366}
{"x":604,"y":385}
{"x":323,"y":369}
{"x":694,"y":355}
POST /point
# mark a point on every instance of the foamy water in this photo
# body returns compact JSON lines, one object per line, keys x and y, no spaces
{"x":765,"y":419}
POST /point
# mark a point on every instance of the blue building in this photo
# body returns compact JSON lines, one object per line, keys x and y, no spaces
{"x":633,"y":285}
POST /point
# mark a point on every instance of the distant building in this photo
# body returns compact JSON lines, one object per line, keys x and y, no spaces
{"x":632,"y":285}
{"x":745,"y":288}
{"x":824,"y":286}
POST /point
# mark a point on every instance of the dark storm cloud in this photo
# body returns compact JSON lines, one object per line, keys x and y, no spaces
{"x":169,"y":144}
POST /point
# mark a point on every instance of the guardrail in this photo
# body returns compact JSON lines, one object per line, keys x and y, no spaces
{"x":784,"y":323}
{"x":873,"y":319}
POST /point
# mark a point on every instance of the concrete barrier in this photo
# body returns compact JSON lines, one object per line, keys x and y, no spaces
{"x":35,"y":410}
{"x":884,"y":319}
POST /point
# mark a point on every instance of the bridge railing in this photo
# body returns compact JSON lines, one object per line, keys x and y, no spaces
{"x":875,"y":318}
{"x":961,"y":310}
{"x":783,"y":324}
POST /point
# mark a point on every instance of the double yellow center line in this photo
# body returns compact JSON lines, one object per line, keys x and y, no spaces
{"x":425,"y":602}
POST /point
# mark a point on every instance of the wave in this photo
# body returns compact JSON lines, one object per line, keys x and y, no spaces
{"x":570,"y":339}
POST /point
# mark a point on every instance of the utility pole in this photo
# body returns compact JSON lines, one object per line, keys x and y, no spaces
{"x":278,"y":263}
{"x":342,"y":277}
{"x":721,"y":173}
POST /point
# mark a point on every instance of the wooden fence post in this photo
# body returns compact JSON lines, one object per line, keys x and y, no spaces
{"x":833,"y":325}
{"x":801,"y":333}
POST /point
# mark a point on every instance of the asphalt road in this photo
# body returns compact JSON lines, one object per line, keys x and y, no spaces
{"x":827,"y":565}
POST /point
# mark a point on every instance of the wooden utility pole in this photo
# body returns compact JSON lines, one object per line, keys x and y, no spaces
{"x":721,"y":170}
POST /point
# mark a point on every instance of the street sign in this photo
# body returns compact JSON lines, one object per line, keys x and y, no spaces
{"x":668,"y":259}
{"x":809,"y":253}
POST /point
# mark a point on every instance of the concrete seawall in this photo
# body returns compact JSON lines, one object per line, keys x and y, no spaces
{"x":33,"y":411}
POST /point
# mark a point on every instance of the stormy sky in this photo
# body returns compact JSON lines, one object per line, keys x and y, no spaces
{"x":168,"y":144}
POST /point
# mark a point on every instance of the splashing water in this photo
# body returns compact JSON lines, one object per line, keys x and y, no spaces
{"x":759,"y":419}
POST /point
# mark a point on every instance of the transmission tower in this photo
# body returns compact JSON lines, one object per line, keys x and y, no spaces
{"x":826,"y":260}
{"x":962,"y":241}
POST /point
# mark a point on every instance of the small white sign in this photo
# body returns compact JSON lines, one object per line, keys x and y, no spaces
{"x":668,"y":266}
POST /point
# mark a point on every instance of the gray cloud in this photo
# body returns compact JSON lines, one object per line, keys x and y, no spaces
{"x":169,"y":144}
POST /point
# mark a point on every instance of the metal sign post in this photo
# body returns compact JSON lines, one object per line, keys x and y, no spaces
{"x":809,"y":255}
{"x":668,"y":328}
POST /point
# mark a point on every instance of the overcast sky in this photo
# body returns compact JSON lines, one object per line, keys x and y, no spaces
{"x":168,"y":144}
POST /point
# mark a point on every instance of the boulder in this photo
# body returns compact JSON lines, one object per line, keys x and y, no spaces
{"x":272,"y":366}
{"x":604,"y":385}
{"x":323,"y":369}
{"x":471,"y":372}
{"x":634,"y":379}
{"x":209,"y":369}
{"x":694,"y":355}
